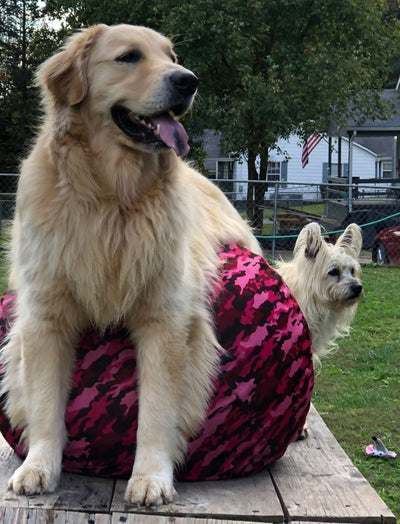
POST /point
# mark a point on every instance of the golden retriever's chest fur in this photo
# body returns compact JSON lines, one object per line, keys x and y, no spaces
{"x":105,"y":256}
{"x":109,"y":266}
{"x":155,"y":225}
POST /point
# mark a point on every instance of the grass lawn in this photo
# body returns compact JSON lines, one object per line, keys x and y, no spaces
{"x":358,"y":390}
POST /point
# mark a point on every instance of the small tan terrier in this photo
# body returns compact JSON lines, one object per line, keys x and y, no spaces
{"x":324,"y":279}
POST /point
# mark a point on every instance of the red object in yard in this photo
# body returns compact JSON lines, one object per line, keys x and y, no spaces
{"x":386,"y":247}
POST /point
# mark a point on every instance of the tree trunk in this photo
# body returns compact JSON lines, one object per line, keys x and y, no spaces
{"x":252,"y":175}
{"x":256,"y":191}
{"x":259,"y":196}
{"x":24,"y":86}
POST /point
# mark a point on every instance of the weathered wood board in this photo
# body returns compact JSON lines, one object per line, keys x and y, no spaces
{"x":247,"y":499}
{"x":122,"y":518}
{"x":317,"y":479}
{"x":75,"y":492}
{"x":314,"y":482}
{"x":51,"y":516}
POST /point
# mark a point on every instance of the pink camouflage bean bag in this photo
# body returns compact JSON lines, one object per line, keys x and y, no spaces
{"x":261,"y":395}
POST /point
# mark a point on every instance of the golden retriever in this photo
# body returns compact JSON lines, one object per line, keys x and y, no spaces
{"x":112,"y":226}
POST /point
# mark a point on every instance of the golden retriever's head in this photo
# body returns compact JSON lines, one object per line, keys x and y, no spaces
{"x":125,"y":78}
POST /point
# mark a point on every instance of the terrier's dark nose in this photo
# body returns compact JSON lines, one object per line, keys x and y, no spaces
{"x":355,"y":290}
{"x":185,"y":83}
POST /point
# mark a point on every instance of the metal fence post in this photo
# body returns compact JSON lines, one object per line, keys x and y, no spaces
{"x":350,"y":179}
{"x":274,"y":219}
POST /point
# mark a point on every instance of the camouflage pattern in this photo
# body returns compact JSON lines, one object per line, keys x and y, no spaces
{"x":261,"y":396}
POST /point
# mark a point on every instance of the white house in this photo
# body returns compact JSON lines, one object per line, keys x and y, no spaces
{"x":285,"y":164}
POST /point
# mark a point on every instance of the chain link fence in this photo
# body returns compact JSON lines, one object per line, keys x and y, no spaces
{"x":8,"y":190}
{"x":279,"y":210}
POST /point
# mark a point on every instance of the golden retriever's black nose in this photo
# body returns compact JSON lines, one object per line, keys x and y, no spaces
{"x":185,"y":83}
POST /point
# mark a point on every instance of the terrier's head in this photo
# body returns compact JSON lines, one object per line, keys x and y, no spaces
{"x":324,"y":279}
{"x":332,"y":269}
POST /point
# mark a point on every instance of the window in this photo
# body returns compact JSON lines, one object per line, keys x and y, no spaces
{"x":386,"y":169}
{"x":334,"y":170}
{"x":343,"y":170}
{"x":334,"y":173}
{"x":274,"y":172}
{"x":225,"y":169}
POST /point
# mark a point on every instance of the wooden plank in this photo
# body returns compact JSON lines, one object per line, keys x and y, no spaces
{"x":317,"y":480}
{"x":37,"y":516}
{"x":129,"y":518}
{"x":75,"y":492}
{"x":247,"y":499}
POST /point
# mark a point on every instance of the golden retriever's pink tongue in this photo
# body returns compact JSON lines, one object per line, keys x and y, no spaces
{"x":172,"y":133}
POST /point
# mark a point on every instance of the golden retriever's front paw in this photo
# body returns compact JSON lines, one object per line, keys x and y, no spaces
{"x":32,"y":479}
{"x":149,"y":490}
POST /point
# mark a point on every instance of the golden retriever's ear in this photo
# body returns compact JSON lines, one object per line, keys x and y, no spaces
{"x":309,"y":240}
{"x":64,"y":75}
{"x":351,"y":240}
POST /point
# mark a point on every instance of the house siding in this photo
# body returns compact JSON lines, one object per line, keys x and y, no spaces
{"x":289,"y":153}
{"x":364,"y":161}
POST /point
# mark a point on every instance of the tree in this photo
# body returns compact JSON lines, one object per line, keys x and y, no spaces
{"x":268,"y":68}
{"x":272,"y":67}
{"x":23,"y":43}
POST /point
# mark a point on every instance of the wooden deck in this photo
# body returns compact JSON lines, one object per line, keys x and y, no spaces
{"x":314,"y":482}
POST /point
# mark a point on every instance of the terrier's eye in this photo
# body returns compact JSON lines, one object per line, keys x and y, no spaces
{"x":334,"y":272}
{"x":130,"y":57}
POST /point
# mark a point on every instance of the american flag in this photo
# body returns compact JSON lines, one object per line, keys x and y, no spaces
{"x":309,"y":145}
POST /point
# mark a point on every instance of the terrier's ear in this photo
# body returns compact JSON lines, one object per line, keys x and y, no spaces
{"x":351,"y":240}
{"x":64,"y":75}
{"x":309,"y":240}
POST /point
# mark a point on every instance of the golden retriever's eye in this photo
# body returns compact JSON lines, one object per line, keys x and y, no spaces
{"x":334,"y":272}
{"x":174,"y":58}
{"x":131,"y":57}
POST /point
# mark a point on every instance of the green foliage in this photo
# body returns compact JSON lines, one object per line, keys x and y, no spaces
{"x":24,"y":42}
{"x":273,"y":67}
{"x":266,"y":68}
{"x":358,"y":389}
{"x":82,"y":13}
